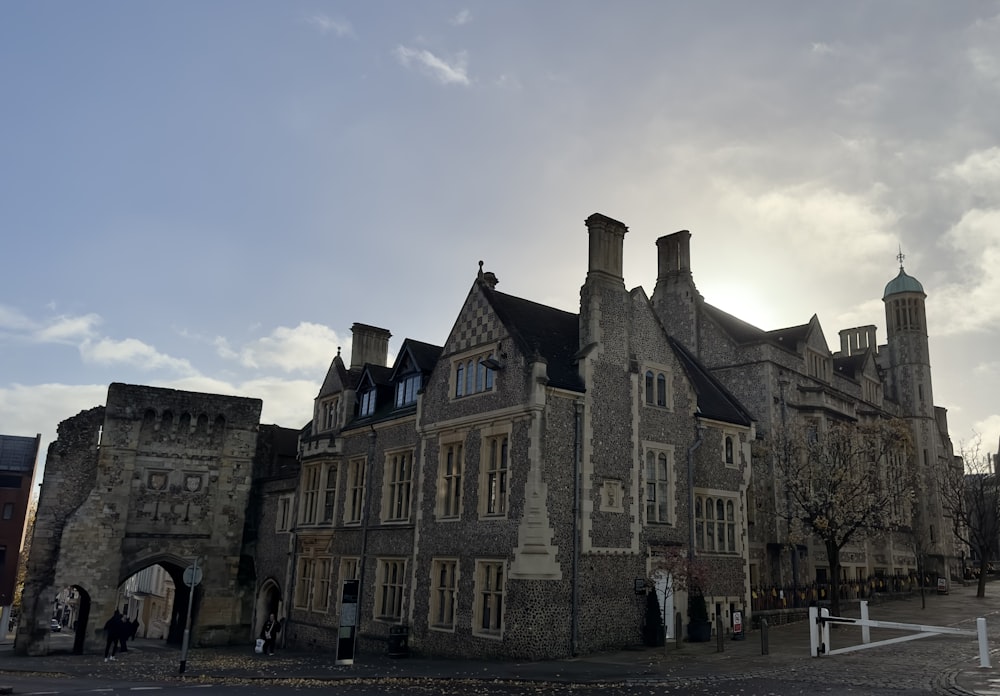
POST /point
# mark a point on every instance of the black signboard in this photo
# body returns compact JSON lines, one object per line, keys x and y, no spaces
{"x":348,"y":622}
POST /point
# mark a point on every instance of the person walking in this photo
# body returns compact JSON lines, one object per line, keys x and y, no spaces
{"x":112,"y":633}
{"x":270,"y":631}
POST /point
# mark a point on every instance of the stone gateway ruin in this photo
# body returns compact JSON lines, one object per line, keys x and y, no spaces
{"x":154,"y":477}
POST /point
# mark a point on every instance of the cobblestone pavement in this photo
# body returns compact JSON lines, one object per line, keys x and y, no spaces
{"x":940,"y":664}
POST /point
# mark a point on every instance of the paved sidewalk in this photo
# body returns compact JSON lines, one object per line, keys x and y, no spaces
{"x":946,"y":664}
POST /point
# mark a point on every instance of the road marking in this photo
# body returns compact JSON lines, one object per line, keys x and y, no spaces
{"x":145,"y":688}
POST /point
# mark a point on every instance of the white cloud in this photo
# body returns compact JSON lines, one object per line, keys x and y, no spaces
{"x":68,"y":329}
{"x":970,"y":305}
{"x":287,"y":403}
{"x":11,"y":318}
{"x":846,"y":231}
{"x":433,"y":66}
{"x":131,"y":351}
{"x":29,"y":410}
{"x":330,"y":25}
{"x":307,"y":347}
{"x":983,"y":38}
{"x":463,"y":17}
{"x":980,"y":171}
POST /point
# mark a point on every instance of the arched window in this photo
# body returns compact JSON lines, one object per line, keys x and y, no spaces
{"x":460,"y":380}
{"x":661,"y":390}
{"x":650,"y":395}
{"x":729,"y":449}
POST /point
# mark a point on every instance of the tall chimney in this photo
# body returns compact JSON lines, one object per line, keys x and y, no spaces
{"x":370,"y":344}
{"x":607,"y":239}
{"x":675,"y":297}
{"x":673,"y":256}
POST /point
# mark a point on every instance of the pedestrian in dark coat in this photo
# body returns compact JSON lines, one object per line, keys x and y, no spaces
{"x":270,"y":631}
{"x":134,"y":628}
{"x":112,"y":633}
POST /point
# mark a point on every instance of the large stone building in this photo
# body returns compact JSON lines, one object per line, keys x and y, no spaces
{"x":500,"y":495}
{"x":513,"y":492}
{"x":789,"y":375}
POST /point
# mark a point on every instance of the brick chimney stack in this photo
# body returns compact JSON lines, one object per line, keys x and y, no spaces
{"x":607,"y":239}
{"x":370,"y":344}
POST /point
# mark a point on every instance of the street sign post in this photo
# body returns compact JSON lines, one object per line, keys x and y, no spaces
{"x":192,"y":576}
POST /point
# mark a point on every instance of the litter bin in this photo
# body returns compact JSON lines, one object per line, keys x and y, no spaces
{"x":398,"y":645}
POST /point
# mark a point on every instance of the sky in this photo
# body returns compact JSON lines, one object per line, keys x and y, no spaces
{"x":207,"y":195}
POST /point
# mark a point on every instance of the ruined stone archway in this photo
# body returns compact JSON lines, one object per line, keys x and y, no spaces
{"x":156,"y":476}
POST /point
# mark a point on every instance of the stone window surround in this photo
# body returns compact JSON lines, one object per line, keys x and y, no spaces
{"x":310,"y":486}
{"x":487,"y":436}
{"x":656,"y":449}
{"x":443,"y":591}
{"x":461,"y":361}
{"x":390,"y":587}
{"x":656,"y":371}
{"x":702,"y":496}
{"x":444,"y":481}
{"x":730,"y":449}
{"x":283,"y":514}
{"x":321,"y":585}
{"x":485,"y":595}
{"x":354,"y":503}
{"x":397,"y":485}
{"x":303,"y":583}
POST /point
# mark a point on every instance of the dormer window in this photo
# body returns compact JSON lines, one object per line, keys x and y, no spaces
{"x":406,"y":390}
{"x":367,"y":406}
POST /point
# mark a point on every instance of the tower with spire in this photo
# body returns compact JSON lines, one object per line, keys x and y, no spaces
{"x":907,"y":369}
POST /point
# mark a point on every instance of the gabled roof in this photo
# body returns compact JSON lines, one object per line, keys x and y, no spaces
{"x":544,"y":331}
{"x":789,"y":337}
{"x":377,"y":375}
{"x":423,"y":355}
{"x":850,"y":366}
{"x":337,"y":378}
{"x":714,"y":400}
{"x":743,"y":332}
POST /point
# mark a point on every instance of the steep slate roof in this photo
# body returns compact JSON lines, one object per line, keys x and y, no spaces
{"x":742,"y":332}
{"x":337,"y":369}
{"x":546,"y":331}
{"x":850,"y":365}
{"x":425,"y":355}
{"x":714,"y":400}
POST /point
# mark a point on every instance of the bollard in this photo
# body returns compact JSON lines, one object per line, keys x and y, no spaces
{"x":720,"y":644}
{"x":763,"y":637}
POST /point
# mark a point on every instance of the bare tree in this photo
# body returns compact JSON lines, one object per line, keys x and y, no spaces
{"x":843,"y":484}
{"x":970,"y":495}
{"x":675,"y":570}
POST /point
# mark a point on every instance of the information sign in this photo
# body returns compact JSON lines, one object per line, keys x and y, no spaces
{"x":348,"y":622}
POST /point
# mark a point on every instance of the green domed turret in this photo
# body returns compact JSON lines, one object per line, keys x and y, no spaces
{"x":902,"y":283}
